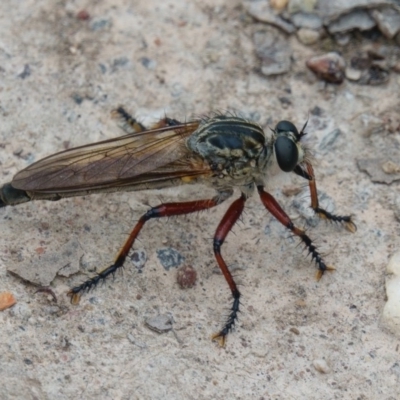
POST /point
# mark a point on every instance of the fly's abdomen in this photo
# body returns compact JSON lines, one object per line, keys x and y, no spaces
{"x":10,"y":196}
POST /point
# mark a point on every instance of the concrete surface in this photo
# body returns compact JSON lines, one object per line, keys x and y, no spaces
{"x":60,"y":76}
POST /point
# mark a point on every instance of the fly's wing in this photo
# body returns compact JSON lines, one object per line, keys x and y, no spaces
{"x":154,"y":156}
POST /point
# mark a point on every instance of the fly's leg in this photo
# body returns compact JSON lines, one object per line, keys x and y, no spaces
{"x":163,"y":210}
{"x":276,"y":210}
{"x":225,"y":226}
{"x":309,"y":175}
{"x":127,"y":123}
{"x":131,"y":125}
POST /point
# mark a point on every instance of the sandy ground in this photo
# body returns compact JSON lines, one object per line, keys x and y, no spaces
{"x":59,"y":79}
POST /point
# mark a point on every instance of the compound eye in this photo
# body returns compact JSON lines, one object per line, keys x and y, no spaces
{"x":287,"y":153}
{"x":286,"y":126}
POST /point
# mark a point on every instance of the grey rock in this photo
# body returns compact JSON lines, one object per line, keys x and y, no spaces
{"x":169,"y":258}
{"x":295,"y":6}
{"x":377,"y":169}
{"x":261,"y":11}
{"x":307,"y":20}
{"x":330,"y":10}
{"x":41,"y":269}
{"x":388,"y":21}
{"x":359,"y":19}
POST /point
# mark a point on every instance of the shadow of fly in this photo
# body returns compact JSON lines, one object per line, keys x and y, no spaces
{"x":223,"y":151}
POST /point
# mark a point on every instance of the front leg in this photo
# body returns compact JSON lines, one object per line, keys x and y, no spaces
{"x":309,"y":175}
{"x":276,"y":210}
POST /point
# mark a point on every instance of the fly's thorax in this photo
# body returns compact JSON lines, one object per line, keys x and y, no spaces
{"x":232,"y":146}
{"x":225,"y":138}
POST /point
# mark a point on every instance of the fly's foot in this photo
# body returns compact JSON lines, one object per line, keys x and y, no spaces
{"x":315,"y":255}
{"x":75,"y":296}
{"x":350,"y":225}
{"x":346,"y":220}
{"x":75,"y":293}
{"x":220,"y":337}
{"x":320,"y":272}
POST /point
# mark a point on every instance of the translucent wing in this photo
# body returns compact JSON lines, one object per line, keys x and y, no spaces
{"x":151,"y":156}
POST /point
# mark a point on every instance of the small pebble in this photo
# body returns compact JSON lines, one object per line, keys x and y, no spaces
{"x":7,"y":300}
{"x":329,"y":67}
{"x":278,"y":4}
{"x":308,"y":36}
{"x":389,"y":167}
{"x":83,"y":15}
{"x":353,"y":74}
{"x":138,"y":258}
{"x":26,"y":72}
{"x":292,"y":190}
{"x":100,"y":24}
{"x":321,"y":366}
{"x":186,"y":277}
{"x":161,"y":323}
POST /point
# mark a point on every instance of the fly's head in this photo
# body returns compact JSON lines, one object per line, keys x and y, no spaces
{"x":288,"y":149}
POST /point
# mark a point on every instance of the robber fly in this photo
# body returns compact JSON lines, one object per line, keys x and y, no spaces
{"x":223,"y":151}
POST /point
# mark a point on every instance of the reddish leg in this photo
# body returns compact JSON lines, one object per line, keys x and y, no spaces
{"x":348,"y":223}
{"x":225,"y":226}
{"x":276,"y":210}
{"x":163,"y":210}
{"x":309,"y":175}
